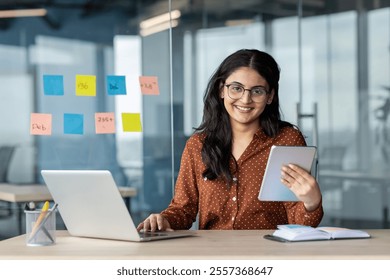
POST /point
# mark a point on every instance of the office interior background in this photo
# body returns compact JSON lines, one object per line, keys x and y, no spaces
{"x":335,"y":85}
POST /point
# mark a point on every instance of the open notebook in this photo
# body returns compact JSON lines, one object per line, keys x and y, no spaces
{"x":91,"y":205}
{"x":294,"y":233}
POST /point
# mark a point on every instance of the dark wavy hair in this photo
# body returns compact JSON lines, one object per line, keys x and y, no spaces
{"x":217,"y":144}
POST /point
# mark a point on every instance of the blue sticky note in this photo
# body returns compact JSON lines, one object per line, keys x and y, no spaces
{"x":53,"y":85}
{"x":116,"y":85}
{"x":73,"y":124}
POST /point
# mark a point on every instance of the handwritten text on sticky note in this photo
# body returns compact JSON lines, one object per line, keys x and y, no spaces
{"x":131,"y":122}
{"x":149,"y":85}
{"x":53,"y":85}
{"x":116,"y":85}
{"x":104,"y":123}
{"x":40,"y":124}
{"x":85,"y":85}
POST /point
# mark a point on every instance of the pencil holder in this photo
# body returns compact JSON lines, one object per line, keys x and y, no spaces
{"x":40,"y":228}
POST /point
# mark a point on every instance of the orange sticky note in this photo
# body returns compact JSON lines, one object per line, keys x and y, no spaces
{"x":131,"y":122}
{"x":149,"y":85}
{"x":105,"y":123}
{"x":85,"y":85}
{"x":40,"y":124}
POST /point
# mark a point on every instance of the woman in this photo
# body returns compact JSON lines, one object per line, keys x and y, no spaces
{"x":224,"y":161}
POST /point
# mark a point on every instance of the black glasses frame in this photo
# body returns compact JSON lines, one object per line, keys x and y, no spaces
{"x":246,"y":89}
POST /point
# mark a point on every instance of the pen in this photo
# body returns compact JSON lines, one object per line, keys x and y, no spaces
{"x":40,"y":218}
{"x":42,"y":224}
{"x":46,"y":232}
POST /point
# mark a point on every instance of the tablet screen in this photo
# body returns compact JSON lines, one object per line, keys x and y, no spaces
{"x":271,"y":188}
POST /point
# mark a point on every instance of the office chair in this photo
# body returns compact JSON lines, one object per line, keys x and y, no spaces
{"x":6,"y":153}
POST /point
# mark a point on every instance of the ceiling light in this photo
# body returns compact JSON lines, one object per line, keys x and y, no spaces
{"x":158,"y":28}
{"x":148,"y":23}
{"x":23,"y":13}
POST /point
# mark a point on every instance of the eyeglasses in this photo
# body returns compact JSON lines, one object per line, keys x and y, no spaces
{"x":236,"y":91}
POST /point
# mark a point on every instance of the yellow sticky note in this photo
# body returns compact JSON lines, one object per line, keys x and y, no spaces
{"x":85,"y":85}
{"x":131,"y":122}
{"x":40,"y":124}
{"x":149,"y":85}
{"x":105,"y":123}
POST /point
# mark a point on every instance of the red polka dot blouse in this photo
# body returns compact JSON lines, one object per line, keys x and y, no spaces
{"x":237,"y":207}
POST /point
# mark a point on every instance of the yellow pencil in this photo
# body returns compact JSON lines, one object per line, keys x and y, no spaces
{"x":40,"y":218}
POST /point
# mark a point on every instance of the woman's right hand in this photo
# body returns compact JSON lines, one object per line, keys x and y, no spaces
{"x":155,"y":222}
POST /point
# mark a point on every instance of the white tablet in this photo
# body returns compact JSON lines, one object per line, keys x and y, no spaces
{"x":272,"y":188}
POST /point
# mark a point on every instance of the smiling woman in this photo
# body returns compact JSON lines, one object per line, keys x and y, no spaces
{"x":245,"y":109}
{"x":224,"y":161}
{"x":337,"y":62}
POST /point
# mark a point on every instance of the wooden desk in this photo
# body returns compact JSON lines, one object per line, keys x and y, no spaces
{"x":21,"y":194}
{"x":26,"y":193}
{"x":212,"y":245}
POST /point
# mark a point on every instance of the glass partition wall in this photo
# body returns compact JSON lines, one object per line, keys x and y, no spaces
{"x":335,"y":79}
{"x":334,"y":58}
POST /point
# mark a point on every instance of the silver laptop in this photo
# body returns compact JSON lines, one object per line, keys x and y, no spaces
{"x":91,"y":205}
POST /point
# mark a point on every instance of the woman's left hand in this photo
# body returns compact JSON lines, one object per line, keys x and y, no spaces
{"x":302,"y":184}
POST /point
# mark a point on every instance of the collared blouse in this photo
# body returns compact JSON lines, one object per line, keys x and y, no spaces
{"x":237,"y":206}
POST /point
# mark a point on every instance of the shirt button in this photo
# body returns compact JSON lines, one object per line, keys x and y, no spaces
{"x":233,"y":219}
{"x":235,"y":179}
{"x":234,"y":198}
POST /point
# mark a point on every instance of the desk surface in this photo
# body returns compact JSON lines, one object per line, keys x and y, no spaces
{"x":204,"y":245}
{"x":25,"y":193}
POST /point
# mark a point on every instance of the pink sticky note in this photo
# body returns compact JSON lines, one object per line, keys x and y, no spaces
{"x":40,"y":124}
{"x":149,"y":85}
{"x":105,"y":123}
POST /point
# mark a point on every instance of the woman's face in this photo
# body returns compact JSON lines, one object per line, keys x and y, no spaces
{"x":244,"y":111}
